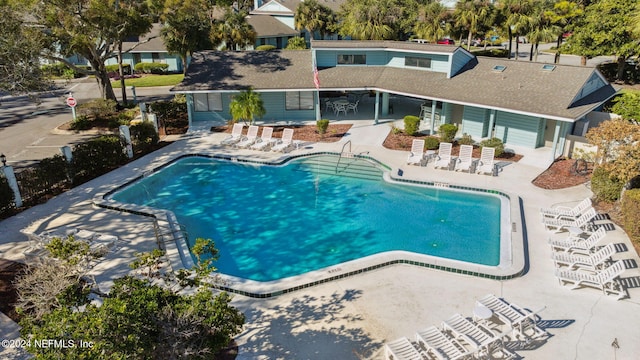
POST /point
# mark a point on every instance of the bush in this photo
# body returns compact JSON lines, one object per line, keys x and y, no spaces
{"x":144,"y":136}
{"x":411,"y":124}
{"x":296,"y":43}
{"x":96,"y":157}
{"x":492,"y":53}
{"x":151,"y":68}
{"x":126,"y":68}
{"x":494,"y":143}
{"x":631,"y":213}
{"x":99,"y":109}
{"x":62,"y":70}
{"x":448,"y":132}
{"x":604,"y":186}
{"x":322,"y":126}
{"x":431,"y":142}
{"x":466,"y":139}
{"x":81,"y":122}
{"x":171,"y":114}
{"x":265,"y":48}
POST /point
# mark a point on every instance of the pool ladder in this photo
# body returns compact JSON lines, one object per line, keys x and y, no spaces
{"x":347,"y":154}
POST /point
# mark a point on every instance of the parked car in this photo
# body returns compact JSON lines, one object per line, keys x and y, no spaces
{"x":446,"y":42}
{"x":474,"y":42}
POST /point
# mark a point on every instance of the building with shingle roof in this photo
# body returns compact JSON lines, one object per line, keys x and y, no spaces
{"x":523,"y":103}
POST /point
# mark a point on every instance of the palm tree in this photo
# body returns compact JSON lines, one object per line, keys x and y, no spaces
{"x":377,"y":20}
{"x":233,"y":30}
{"x":433,"y":22}
{"x":247,"y":105}
{"x":472,"y":15}
{"x":517,"y":14}
{"x":542,"y":28}
{"x":186,"y":28}
{"x":563,"y":14}
{"x":314,"y":17}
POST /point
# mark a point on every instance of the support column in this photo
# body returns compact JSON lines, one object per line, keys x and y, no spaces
{"x":385,"y":103}
{"x":433,"y":116}
{"x":492,"y":122}
{"x":13,"y":184}
{"x":377,"y":107}
{"x":317,"y":101}
{"x":556,"y":136}
{"x":126,"y":135}
{"x":189,"y":109}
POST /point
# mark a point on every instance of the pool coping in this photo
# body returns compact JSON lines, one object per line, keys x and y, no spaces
{"x":174,"y":242}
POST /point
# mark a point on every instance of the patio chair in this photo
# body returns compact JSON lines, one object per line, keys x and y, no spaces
{"x":561,"y":224}
{"x":475,"y":335}
{"x":439,"y":345}
{"x":605,"y":280}
{"x":485,"y":164}
{"x":416,"y":156}
{"x":465,"y":159}
{"x":521,"y":321}
{"x":252,"y":136}
{"x":285,"y":142}
{"x":579,"y":245}
{"x":328,"y":105}
{"x":567,"y":212}
{"x":265,"y":139}
{"x":443,"y":159}
{"x":401,"y":349}
{"x":338,"y":108}
{"x":236,"y":135}
{"x":593,"y":262}
{"x":353,"y":106}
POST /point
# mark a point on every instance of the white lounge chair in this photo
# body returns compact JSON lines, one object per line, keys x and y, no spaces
{"x":252,"y":136}
{"x":561,"y":224}
{"x":567,"y":212}
{"x":579,"y":245}
{"x":485,"y":164}
{"x":416,"y":156}
{"x":476,"y":335}
{"x":439,"y":345}
{"x":285,"y":142}
{"x":465,"y":159}
{"x":401,"y":349}
{"x":593,"y":262}
{"x":443,"y":159}
{"x":265,"y":139}
{"x":236,"y":135}
{"x":605,"y":280}
{"x":522,"y":321}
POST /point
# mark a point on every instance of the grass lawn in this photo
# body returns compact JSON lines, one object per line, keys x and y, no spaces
{"x":151,"y":80}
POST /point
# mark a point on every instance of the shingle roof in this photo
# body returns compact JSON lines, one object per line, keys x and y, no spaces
{"x":521,"y":87}
{"x":292,"y":5}
{"x":264,"y":70}
{"x":149,"y":42}
{"x":266,"y":25}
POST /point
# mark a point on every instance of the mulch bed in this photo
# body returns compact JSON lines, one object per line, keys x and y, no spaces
{"x":562,"y":174}
{"x":403,"y":142}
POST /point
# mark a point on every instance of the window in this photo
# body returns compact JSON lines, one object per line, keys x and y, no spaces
{"x":352,"y":59}
{"x":417,"y":62}
{"x":158,"y":58}
{"x":297,"y":100}
{"x":208,"y":102}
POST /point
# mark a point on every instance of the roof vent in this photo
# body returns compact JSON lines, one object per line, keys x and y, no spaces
{"x":499,"y":68}
{"x":548,"y":67}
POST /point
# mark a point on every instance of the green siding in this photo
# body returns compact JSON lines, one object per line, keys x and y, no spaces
{"x":475,"y":121}
{"x":516,"y":129}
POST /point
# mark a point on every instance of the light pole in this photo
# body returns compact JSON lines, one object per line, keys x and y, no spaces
{"x":3,"y":159}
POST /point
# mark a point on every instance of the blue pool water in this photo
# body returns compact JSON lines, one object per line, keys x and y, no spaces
{"x":274,"y":222}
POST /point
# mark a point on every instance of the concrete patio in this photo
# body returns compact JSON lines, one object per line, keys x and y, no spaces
{"x":353,"y":317}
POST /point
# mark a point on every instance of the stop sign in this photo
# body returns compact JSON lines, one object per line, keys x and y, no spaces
{"x":71,"y":101}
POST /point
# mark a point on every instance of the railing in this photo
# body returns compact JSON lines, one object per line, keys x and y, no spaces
{"x":348,"y":154}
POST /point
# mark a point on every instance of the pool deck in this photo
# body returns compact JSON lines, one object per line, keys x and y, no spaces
{"x":352,"y":318}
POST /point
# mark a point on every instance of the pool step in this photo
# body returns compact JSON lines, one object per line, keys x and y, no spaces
{"x":349,"y":167}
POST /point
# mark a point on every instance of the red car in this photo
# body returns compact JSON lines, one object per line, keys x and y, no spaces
{"x":446,"y":42}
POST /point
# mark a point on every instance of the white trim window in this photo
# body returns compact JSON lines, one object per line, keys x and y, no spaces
{"x":352,"y":59}
{"x":299,"y":100}
{"x":207,"y":102}
{"x":413,"y":61}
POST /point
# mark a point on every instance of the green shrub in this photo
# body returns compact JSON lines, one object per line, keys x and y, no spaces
{"x":630,"y":210}
{"x":62,"y":70}
{"x":81,"y":122}
{"x":431,"y":142}
{"x":466,"y":139}
{"x":492,"y":53}
{"x":494,"y":143}
{"x":98,"y":109}
{"x":123,"y":118}
{"x":296,"y":43}
{"x":96,"y":157}
{"x":604,"y":186}
{"x":171,"y":114}
{"x":126,"y":68}
{"x":411,"y":124}
{"x":448,"y":132}
{"x":144,"y":136}
{"x":322,"y":125}
{"x":151,"y":68}
{"x":265,"y":48}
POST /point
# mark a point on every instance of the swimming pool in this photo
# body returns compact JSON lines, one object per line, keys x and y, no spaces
{"x":274,"y":222}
